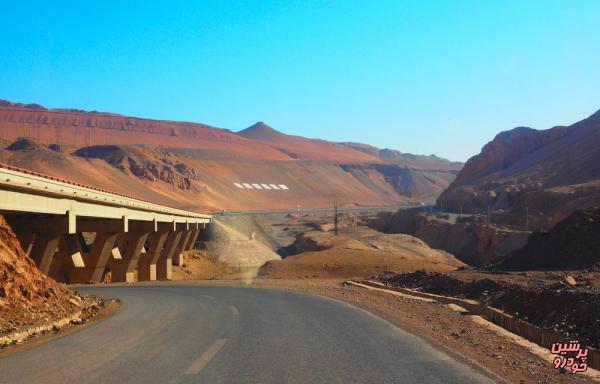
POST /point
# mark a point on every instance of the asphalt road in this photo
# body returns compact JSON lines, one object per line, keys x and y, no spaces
{"x":206,"y":334}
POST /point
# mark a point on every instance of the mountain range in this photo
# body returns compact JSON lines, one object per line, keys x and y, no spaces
{"x":197,"y":166}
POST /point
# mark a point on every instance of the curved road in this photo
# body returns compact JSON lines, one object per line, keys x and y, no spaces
{"x":208,"y":334}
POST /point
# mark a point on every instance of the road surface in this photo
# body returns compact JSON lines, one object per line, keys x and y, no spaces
{"x":209,"y":334}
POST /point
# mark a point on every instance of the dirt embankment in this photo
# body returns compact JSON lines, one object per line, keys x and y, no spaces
{"x":356,"y":252}
{"x":224,"y":244}
{"x":469,"y":239}
{"x":574,"y":243}
{"x":198,"y":266}
{"x":27,"y":297}
{"x":571,"y":311}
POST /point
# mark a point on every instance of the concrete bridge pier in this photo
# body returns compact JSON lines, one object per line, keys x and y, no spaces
{"x":69,"y":258}
{"x":187,"y":244}
{"x":147,"y":261}
{"x":97,"y":259}
{"x":43,"y":250}
{"x":123,"y":269}
{"x":183,"y":241}
{"x":164,"y":263}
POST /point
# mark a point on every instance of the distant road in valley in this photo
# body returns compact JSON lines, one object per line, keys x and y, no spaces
{"x":209,"y":334}
{"x":318,"y":210}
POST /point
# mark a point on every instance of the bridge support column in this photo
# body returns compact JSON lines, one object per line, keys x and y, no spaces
{"x":68,"y":263}
{"x":43,"y":250}
{"x":96,"y":260}
{"x":181,"y":246}
{"x":192,"y":241}
{"x":26,"y":240}
{"x":147,"y":262}
{"x":165,"y":260}
{"x":123,"y":270}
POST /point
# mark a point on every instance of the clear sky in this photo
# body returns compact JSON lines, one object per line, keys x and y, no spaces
{"x":424,"y":77}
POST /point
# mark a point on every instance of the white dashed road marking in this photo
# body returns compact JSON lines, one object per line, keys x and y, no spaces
{"x":206,"y":357}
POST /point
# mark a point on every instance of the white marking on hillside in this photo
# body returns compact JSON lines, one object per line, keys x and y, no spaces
{"x":267,"y":186}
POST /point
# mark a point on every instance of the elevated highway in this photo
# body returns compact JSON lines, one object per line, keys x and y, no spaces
{"x":77,"y":233}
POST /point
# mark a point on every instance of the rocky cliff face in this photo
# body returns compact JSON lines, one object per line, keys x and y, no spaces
{"x":152,"y":165}
{"x":470,"y":240}
{"x":546,"y":171}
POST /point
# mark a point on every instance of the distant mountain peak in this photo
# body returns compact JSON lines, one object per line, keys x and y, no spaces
{"x":260,"y":131}
{"x":596,"y":115}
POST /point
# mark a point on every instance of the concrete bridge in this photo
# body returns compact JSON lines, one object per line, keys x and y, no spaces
{"x":78,"y":234}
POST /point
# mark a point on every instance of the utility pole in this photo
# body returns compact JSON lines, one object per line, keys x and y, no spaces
{"x":335,"y":217}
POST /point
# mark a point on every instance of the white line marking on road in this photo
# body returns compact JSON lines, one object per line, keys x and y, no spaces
{"x":274,"y":186}
{"x":238,"y":185}
{"x":256,"y":186}
{"x":209,"y":297}
{"x":234,"y":311}
{"x":265,"y":186}
{"x":283,"y":186}
{"x":206,"y":357}
{"x":247,"y":185}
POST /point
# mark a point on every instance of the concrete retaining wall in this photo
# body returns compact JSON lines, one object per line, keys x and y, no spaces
{"x":542,"y":337}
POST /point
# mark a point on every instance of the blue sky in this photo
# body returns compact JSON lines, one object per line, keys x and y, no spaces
{"x":424,"y":77}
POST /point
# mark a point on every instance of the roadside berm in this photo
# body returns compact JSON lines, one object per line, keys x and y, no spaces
{"x":30,"y":301}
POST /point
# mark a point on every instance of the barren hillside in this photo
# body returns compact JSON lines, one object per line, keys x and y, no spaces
{"x":198,"y":167}
{"x":302,"y":148}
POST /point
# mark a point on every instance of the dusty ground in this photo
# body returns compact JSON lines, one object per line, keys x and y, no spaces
{"x":198,"y":266}
{"x":545,"y":299}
